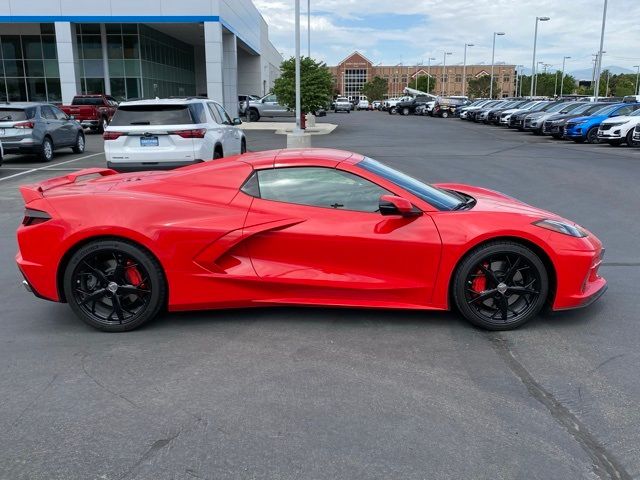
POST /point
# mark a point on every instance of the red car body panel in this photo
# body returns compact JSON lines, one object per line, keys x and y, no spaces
{"x":220,"y":247}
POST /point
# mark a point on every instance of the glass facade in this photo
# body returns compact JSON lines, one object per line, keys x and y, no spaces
{"x":354,"y":79}
{"x":142,"y":62}
{"x":29,"y":67}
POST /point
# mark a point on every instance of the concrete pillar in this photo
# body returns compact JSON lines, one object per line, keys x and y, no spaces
{"x":230,"y":73}
{"x":105,"y":59}
{"x":213,"y":60}
{"x":67,"y":60}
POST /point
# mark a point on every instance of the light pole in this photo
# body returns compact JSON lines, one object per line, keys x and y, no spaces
{"x":298,"y":106}
{"x":535,"y":80}
{"x":419,"y":64}
{"x":464,"y":67}
{"x":444,"y":70}
{"x":600,"y":52}
{"x":493,"y":55}
{"x":309,"y":28}
{"x":535,"y":42}
{"x":429,"y":73}
{"x":637,"y":78}
{"x":564,"y":59}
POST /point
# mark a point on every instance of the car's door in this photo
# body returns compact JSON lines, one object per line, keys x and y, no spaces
{"x":53,"y":126}
{"x":331,"y":244}
{"x":218,"y":128}
{"x":232,"y":135}
{"x":68,"y":128}
{"x":271,"y":107}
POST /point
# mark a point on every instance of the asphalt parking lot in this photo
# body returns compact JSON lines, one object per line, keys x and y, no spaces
{"x":293,"y":393}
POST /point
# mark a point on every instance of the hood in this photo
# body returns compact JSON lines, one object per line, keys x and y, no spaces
{"x":587,"y":118}
{"x":622,"y":119}
{"x":496,"y":202}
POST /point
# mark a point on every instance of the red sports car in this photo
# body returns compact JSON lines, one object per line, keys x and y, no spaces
{"x":297,"y":227}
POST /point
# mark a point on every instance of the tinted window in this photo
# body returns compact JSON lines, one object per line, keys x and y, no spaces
{"x":214,"y":113}
{"x":152,"y":115}
{"x":47,"y":112}
{"x":60,"y":115}
{"x":16,"y":114}
{"x":437,"y":197}
{"x":270,"y":98}
{"x":87,"y":101}
{"x":223,"y":113}
{"x":197,"y":112}
{"x":320,"y":187}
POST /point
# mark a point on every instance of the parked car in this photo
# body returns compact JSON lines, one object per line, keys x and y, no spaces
{"x":92,"y":111}
{"x":268,"y":106}
{"x":517,"y":119}
{"x":376,"y":104}
{"x":408,"y":107}
{"x":255,"y":232}
{"x":494,"y":114}
{"x":391,"y":103}
{"x":534,"y":122}
{"x":472,"y":112}
{"x":1,"y":154}
{"x":446,"y":106}
{"x":554,"y":125}
{"x":363,"y":104}
{"x":505,"y":116}
{"x":618,"y":130}
{"x":463,"y":110}
{"x":484,"y":113}
{"x":38,"y":128}
{"x":585,"y":129}
{"x":342,"y":104}
{"x":636,"y":135}
{"x":161,"y":134}
{"x":242,"y":103}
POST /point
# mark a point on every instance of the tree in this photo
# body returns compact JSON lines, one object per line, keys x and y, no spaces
{"x":547,"y":86}
{"x":316,"y":84}
{"x":375,"y":89}
{"x":425,"y":84}
{"x":481,"y":86}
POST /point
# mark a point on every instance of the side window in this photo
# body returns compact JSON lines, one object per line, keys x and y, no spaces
{"x":197,"y":112}
{"x":320,"y":187}
{"x":214,"y":113}
{"x":223,"y":113}
{"x":270,"y":98}
{"x":622,"y":111}
{"x":47,"y":112}
{"x":60,"y":115}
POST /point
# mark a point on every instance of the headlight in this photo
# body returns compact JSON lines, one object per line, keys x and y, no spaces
{"x":614,"y":124}
{"x":562,"y":227}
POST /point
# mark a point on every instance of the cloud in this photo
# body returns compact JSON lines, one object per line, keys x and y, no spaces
{"x":429,"y":27}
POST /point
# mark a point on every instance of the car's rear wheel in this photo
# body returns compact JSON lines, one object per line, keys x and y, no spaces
{"x":405,"y":111}
{"x":592,"y":135}
{"x":46,"y":150}
{"x":500,"y":285}
{"x":104,"y":123}
{"x":114,"y":285}
{"x":80,"y":144}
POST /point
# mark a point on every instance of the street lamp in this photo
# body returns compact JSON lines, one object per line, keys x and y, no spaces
{"x":464,"y":67}
{"x":429,"y":73}
{"x":309,"y":28}
{"x":493,"y":54}
{"x":637,"y":77}
{"x":418,"y":64}
{"x":444,"y":70}
{"x":604,"y":21}
{"x":298,"y":130}
{"x":535,"y":80}
{"x":564,"y":59}
{"x":535,"y":41}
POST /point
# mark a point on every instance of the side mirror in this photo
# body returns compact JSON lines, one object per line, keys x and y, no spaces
{"x":71,"y":117}
{"x":392,"y":205}
{"x":237,"y":121}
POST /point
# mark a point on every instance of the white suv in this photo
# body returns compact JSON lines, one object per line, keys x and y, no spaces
{"x":618,"y":130}
{"x":168,"y":133}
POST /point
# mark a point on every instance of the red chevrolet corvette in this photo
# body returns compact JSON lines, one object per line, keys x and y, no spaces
{"x":297,"y":227}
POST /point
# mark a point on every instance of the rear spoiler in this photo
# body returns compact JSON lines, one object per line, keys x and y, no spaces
{"x":35,"y":191}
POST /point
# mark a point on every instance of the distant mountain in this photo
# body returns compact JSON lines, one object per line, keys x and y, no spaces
{"x":585,"y":73}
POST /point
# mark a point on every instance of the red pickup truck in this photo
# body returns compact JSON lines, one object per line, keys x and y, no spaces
{"x":92,"y":111}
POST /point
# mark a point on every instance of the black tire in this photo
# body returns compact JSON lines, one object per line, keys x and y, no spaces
{"x":349,"y":111}
{"x":80,"y":144}
{"x":254,"y":116}
{"x":99,"y":270}
{"x":592,"y":135}
{"x":393,"y":111}
{"x":217,"y":153}
{"x":557,"y":136}
{"x":46,"y":150}
{"x":495,"y":266}
{"x":243,"y":146}
{"x":630,"y":141}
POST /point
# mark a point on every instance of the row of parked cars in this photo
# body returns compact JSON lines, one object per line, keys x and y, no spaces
{"x":612,"y":122}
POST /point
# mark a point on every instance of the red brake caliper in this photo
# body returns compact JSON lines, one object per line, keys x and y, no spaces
{"x":479,"y":283}
{"x":132,"y":274}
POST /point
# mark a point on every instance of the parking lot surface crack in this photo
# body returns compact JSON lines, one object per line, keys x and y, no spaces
{"x":605,"y":465}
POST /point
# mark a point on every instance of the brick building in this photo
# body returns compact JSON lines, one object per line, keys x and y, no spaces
{"x":355,"y":70}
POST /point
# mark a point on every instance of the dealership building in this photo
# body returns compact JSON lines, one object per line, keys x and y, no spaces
{"x":52,"y":50}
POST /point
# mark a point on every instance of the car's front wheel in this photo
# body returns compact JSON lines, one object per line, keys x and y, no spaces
{"x":114,"y":285}
{"x":445,"y":114}
{"x":500,"y":285}
{"x":630,"y":141}
{"x":592,"y":135}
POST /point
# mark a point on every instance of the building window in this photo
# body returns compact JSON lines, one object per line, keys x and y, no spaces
{"x":29,"y":67}
{"x":458,"y":78}
{"x":506,"y":78}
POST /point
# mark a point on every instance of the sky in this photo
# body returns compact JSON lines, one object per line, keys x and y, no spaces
{"x":412,"y":31}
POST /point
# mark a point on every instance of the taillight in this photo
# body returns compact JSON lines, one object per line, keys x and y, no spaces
{"x":112,"y":135}
{"x":24,"y":125}
{"x":34,"y":217}
{"x":195,"y":133}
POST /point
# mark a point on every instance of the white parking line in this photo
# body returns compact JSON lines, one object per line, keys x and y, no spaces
{"x":46,"y":167}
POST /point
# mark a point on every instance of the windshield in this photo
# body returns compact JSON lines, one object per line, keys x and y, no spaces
{"x":558,"y":107}
{"x":569,"y":107}
{"x":606,"y":110}
{"x":440,"y":199}
{"x":95,"y":101}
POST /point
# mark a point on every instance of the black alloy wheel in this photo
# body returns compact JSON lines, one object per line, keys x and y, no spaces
{"x":630,"y":141}
{"x":114,"y":285}
{"x":592,"y":135}
{"x":500,"y":286}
